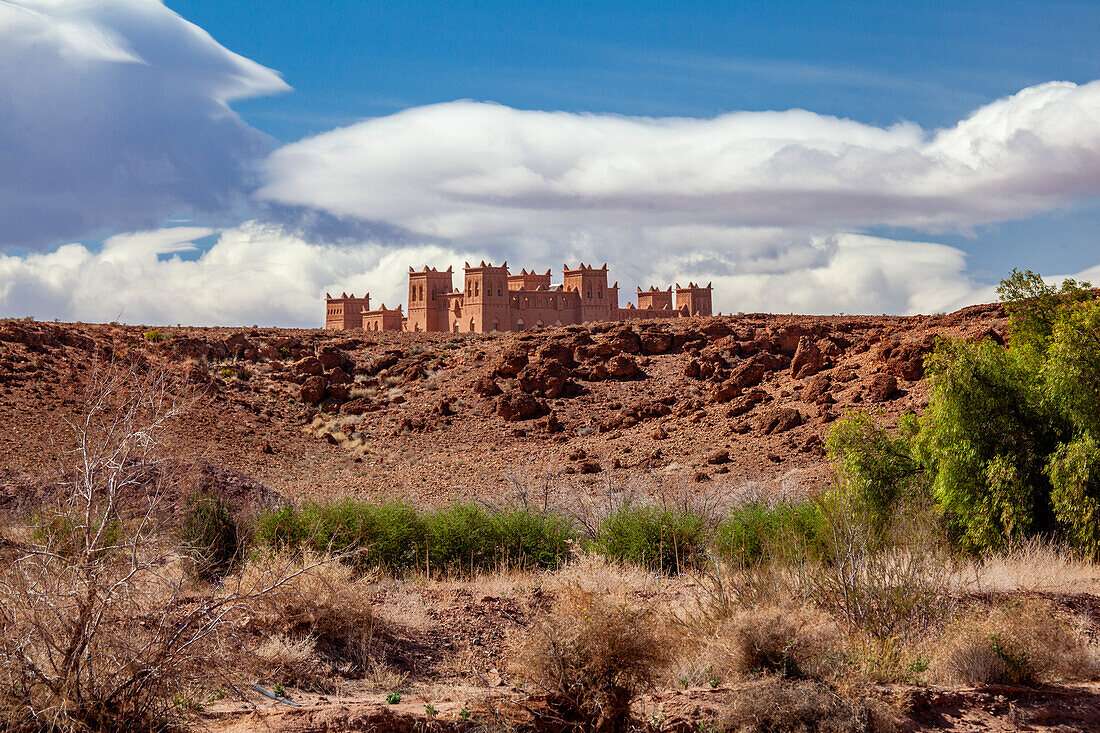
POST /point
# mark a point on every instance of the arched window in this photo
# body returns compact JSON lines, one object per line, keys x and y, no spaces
{"x":599,"y":293}
{"x":519,"y":324}
{"x":471,"y":325}
{"x":496,"y":325}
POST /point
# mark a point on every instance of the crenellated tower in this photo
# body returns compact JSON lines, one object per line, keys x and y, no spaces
{"x":346,"y":312}
{"x":655,"y":299}
{"x":428,"y":289}
{"x":485,"y":299}
{"x":695,"y":298}
{"x":598,"y":302}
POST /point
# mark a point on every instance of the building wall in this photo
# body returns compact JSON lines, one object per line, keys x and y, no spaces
{"x":384,"y":319}
{"x":696,"y":299}
{"x":654,"y":299}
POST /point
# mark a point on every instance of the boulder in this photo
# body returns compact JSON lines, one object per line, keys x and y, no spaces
{"x":621,"y":367}
{"x":882,"y":388}
{"x":487,"y":387}
{"x":547,"y":378}
{"x":907,"y":362}
{"x":331,"y":357}
{"x":310,"y":366}
{"x":817,"y":390}
{"x":748,"y":373}
{"x":237,"y":344}
{"x":337,"y":376}
{"x":655,"y":342}
{"x":515,"y":405}
{"x":725,"y":391}
{"x":780,"y":420}
{"x":357,"y":406}
{"x":511,"y":363}
{"x":718,"y":457}
{"x":808,"y":359}
{"x":312,"y":390}
{"x":786,"y":338}
{"x":556,"y":351}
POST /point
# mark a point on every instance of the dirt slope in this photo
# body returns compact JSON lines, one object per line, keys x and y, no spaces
{"x":740,"y":402}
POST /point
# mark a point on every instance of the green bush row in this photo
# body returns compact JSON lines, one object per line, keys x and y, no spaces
{"x":465,"y":537}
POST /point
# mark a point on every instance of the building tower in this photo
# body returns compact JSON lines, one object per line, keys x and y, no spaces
{"x":655,"y":299}
{"x":695,"y":298}
{"x":346,"y":312}
{"x":485,"y":300}
{"x":598,"y":301}
{"x":427,"y":299}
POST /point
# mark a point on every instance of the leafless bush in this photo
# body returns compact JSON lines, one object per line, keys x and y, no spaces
{"x":99,"y":626}
{"x":900,"y":587}
{"x":313,"y":597}
{"x":1022,"y":642}
{"x":592,"y":656}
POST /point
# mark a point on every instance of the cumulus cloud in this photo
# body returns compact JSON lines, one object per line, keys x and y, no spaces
{"x":252,"y":273}
{"x":475,"y":171}
{"x":259,"y":273}
{"x":114,"y":116}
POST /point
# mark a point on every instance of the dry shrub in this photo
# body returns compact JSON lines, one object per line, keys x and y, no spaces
{"x":592,"y":655}
{"x":777,"y":705}
{"x":319,"y":598}
{"x":598,"y":574}
{"x":796,"y":642}
{"x":290,"y":660}
{"x":1023,"y":642}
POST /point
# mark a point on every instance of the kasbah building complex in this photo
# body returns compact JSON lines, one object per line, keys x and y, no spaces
{"x":493,"y":299}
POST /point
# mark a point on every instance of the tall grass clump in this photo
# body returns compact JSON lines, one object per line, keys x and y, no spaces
{"x":388,"y":535}
{"x":757,"y":532}
{"x":210,"y":537}
{"x":460,"y":538}
{"x":666,"y":540}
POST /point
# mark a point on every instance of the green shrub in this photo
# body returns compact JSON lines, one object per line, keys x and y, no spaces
{"x":156,"y":336}
{"x":874,"y":470}
{"x":458,"y":538}
{"x":666,"y":540}
{"x":756,"y":532}
{"x":210,"y":537}
{"x":532,"y":539}
{"x":67,"y":535}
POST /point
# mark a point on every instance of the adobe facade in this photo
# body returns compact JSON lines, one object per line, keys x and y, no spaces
{"x":493,"y":299}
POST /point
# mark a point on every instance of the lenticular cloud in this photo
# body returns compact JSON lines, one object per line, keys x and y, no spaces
{"x":114,"y":115}
{"x":472,"y":170}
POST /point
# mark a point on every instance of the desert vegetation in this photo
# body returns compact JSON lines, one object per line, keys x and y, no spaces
{"x":953,"y":549}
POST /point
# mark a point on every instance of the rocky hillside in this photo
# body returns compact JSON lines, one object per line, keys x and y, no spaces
{"x":740,"y":402}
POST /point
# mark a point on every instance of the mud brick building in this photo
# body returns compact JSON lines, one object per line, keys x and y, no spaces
{"x":493,"y":299}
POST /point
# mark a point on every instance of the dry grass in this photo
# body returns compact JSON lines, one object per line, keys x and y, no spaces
{"x":321,"y":599}
{"x":774,"y":705}
{"x":795,"y":642}
{"x":1034,"y":566}
{"x":1021,"y":642}
{"x":290,"y":660}
{"x":591,"y":655}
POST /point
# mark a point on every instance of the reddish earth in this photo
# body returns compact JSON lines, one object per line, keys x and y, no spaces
{"x":722,"y":404}
{"x":719,"y":406}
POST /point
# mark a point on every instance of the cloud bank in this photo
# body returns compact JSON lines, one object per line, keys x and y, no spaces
{"x":114,"y":116}
{"x":467,"y":170}
{"x":263,"y":274}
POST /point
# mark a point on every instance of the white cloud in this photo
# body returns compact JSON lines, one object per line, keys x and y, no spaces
{"x":253,"y":273}
{"x":114,"y":115}
{"x":257,"y":273}
{"x":472,"y":171}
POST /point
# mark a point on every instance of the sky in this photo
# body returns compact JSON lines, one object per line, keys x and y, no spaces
{"x":229,"y":163}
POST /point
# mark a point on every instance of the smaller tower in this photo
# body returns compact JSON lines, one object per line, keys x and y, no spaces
{"x":695,"y":298}
{"x":346,"y":312}
{"x":485,"y":299}
{"x":655,"y":299}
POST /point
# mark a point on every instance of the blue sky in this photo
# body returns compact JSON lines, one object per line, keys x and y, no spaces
{"x":929,"y":62}
{"x":267,"y":152}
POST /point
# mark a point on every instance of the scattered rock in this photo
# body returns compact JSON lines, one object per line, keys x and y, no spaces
{"x":516,"y":405}
{"x":309,"y":366}
{"x":882,"y":388}
{"x":487,"y":387}
{"x":622,"y":367}
{"x":312,"y":390}
{"x":808,"y":359}
{"x":780,"y":420}
{"x":718,"y":457}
